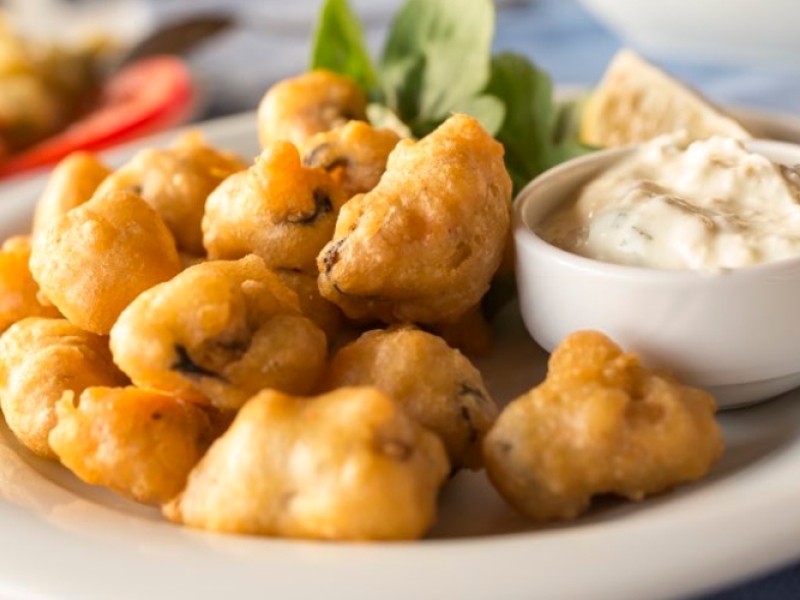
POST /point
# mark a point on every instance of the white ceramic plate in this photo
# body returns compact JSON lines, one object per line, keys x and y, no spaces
{"x":61,"y":539}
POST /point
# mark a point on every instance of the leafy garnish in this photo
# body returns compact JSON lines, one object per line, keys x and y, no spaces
{"x":568,"y":126}
{"x":339,"y":44}
{"x":437,"y":57}
{"x":535,"y":132}
{"x":568,"y":123}
{"x":489,"y":110}
{"x":437,"y":61}
{"x":380,"y":115}
{"x":530,"y":115}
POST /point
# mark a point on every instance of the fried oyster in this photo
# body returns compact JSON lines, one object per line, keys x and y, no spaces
{"x":176,"y":181}
{"x":599,"y":424}
{"x":19,"y":293}
{"x":72,"y":183}
{"x":40,"y":360}
{"x":348,"y":465}
{"x":92,"y":261}
{"x":297,"y":108}
{"x":140,"y":443}
{"x":354,"y":154}
{"x":435,"y":384}
{"x":218,"y":333}
{"x":278,"y":209}
{"x":423,"y":245}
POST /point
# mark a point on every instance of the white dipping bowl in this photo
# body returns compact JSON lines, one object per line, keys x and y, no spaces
{"x":735,"y":333}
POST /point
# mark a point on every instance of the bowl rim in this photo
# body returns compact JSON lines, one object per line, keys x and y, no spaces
{"x":524,"y":234}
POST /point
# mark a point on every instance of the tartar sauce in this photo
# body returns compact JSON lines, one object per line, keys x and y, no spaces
{"x":673,"y":204}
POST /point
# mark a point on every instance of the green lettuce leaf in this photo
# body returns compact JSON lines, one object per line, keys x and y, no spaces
{"x":339,"y":45}
{"x":437,"y":56}
{"x":537,"y":133}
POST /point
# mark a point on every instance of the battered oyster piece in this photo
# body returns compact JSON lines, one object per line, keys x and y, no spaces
{"x":93,"y":260}
{"x":326,"y":315}
{"x":599,"y":424}
{"x":40,"y":359}
{"x":355,"y":154}
{"x":19,"y":293}
{"x":423,"y":245}
{"x":297,"y":108}
{"x":176,"y":181}
{"x":278,"y":209}
{"x":218,"y":333}
{"x":141,"y":444}
{"x":72,"y":182}
{"x":348,"y":465}
{"x":436,"y":385}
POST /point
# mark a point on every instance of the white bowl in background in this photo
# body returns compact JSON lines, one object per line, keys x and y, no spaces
{"x":735,"y":333}
{"x":731,"y":30}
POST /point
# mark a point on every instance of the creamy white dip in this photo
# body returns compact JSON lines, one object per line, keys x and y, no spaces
{"x":673,"y":204}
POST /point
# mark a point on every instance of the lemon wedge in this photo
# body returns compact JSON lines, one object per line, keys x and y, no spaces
{"x":637,"y":101}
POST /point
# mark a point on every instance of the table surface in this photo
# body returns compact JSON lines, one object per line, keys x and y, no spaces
{"x":558,"y":35}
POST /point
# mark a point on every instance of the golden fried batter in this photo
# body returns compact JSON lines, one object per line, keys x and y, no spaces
{"x":139,"y":443}
{"x":297,"y":108}
{"x":219,"y":332}
{"x":19,"y":293}
{"x":93,"y":260}
{"x":190,"y":260}
{"x":278,"y":209}
{"x":599,"y":424}
{"x":355,"y":154}
{"x":71,"y":183}
{"x":436,"y":385}
{"x":40,"y":359}
{"x":471,"y":332}
{"x":349,"y":465}
{"x":326,"y":315}
{"x":176,"y":182}
{"x":423,"y":245}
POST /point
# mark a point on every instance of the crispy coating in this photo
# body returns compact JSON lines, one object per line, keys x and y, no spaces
{"x":93,"y":260}
{"x":599,"y":424}
{"x":190,"y":260}
{"x":348,"y":465}
{"x":40,"y":359}
{"x":141,"y":444}
{"x":176,"y":181}
{"x":297,"y":108}
{"x":423,"y":245}
{"x":435,"y":384}
{"x":326,"y":315}
{"x":19,"y":293}
{"x":73,"y":181}
{"x":355,"y":155}
{"x":218,"y":333}
{"x":471,"y":332}
{"x":278,"y":209}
